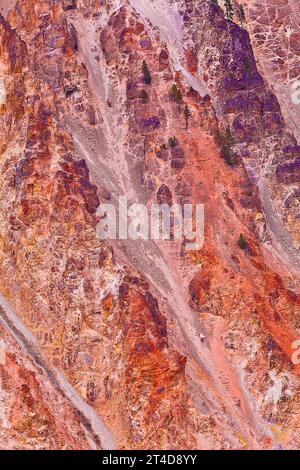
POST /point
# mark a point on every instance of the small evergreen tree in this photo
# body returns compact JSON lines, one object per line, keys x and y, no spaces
{"x":229,"y":9}
{"x":242,"y":242}
{"x":176,"y":95}
{"x":226,"y":148}
{"x":187,"y":115}
{"x":173,"y":141}
{"x":229,"y":137}
{"x":146,"y":73}
{"x":247,"y":67}
{"x":242,"y":16}
{"x":215,"y":2}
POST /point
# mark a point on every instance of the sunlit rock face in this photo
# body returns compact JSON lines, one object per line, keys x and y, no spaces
{"x":162,"y":347}
{"x":274,"y":27}
{"x":6,"y":6}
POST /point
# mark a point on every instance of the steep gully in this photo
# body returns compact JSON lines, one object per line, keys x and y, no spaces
{"x":99,"y":435}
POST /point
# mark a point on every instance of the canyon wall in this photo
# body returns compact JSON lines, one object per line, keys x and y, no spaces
{"x":162,"y":347}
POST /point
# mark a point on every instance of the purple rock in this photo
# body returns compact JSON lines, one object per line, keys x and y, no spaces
{"x":236,"y":104}
{"x":234,"y":83}
{"x":223,"y":24}
{"x":177,"y":152}
{"x":289,"y":172}
{"x":272,"y":123}
{"x":244,"y":130}
{"x":255,"y":80}
{"x":271,"y":103}
{"x":289,"y":201}
{"x":239,"y":129}
{"x":89,"y":360}
{"x":291,"y":151}
{"x":241,"y":46}
{"x":177,"y":164}
{"x":255,"y":105}
{"x":145,"y":43}
{"x":245,"y":152}
{"x":150,"y":124}
{"x":131,"y":90}
{"x":241,"y":80}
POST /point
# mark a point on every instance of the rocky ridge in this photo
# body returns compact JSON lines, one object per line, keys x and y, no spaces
{"x":156,"y":339}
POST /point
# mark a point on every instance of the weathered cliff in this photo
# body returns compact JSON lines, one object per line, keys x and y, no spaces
{"x":170,"y":348}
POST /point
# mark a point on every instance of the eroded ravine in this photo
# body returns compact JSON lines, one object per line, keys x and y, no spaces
{"x":95,"y":429}
{"x":148,"y":257}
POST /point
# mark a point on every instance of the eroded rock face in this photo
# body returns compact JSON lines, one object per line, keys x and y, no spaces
{"x":157,"y":339}
{"x":34,"y":415}
{"x":274,"y":30}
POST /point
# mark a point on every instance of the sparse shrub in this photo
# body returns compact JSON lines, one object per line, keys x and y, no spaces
{"x":226,"y":148}
{"x":247,"y":65}
{"x":173,"y":141}
{"x":146,"y":73}
{"x":144,"y":96}
{"x":242,"y":242}
{"x":229,"y":9}
{"x":187,"y":115}
{"x":241,"y":15}
{"x":176,"y":95}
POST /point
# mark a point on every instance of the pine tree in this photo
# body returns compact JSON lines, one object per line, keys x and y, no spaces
{"x":242,"y":16}
{"x":187,"y":115}
{"x":226,"y":149}
{"x":146,"y":73}
{"x":247,"y":67}
{"x":215,"y":2}
{"x":179,"y":99}
{"x":173,"y":92}
{"x":229,"y":9}
{"x":173,"y":141}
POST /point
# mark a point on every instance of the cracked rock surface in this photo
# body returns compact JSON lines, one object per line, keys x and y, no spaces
{"x":134,"y":344}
